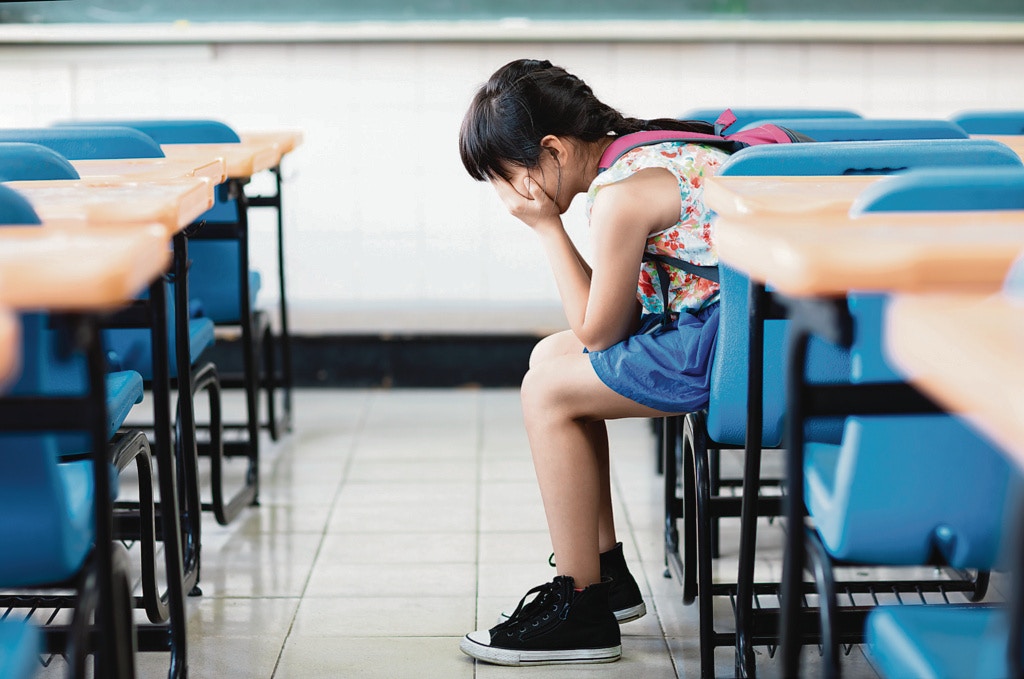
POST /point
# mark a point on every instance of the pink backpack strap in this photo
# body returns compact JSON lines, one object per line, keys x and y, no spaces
{"x":726,"y":119}
{"x":628,"y":142}
{"x":762,"y":134}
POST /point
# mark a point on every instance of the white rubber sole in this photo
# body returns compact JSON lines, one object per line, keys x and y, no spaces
{"x":622,"y":616}
{"x":516,"y":658}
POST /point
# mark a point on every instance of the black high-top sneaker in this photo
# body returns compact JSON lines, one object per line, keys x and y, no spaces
{"x":624,"y":594}
{"x":558,"y":626}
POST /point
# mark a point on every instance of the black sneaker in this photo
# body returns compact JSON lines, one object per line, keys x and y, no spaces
{"x":623,"y":594}
{"x":558,"y":626}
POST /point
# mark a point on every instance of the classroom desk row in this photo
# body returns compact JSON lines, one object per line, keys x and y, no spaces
{"x":103,"y":239}
{"x":958,"y":340}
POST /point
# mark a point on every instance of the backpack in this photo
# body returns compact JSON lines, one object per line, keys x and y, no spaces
{"x":730,"y":143}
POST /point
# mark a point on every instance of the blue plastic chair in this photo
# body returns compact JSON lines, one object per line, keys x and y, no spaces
{"x":867,"y":157}
{"x":870,"y":129}
{"x":727,"y":415}
{"x":1008,"y":121}
{"x":909,"y":489}
{"x":49,"y":493}
{"x":20,"y":645}
{"x":748,"y":115}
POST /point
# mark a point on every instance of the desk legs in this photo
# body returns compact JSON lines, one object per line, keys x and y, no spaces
{"x":751,"y":484}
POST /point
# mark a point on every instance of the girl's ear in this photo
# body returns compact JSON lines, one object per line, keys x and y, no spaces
{"x":557,"y":147}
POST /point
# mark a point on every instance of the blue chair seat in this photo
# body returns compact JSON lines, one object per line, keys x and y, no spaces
{"x":20,"y":645}
{"x":871,"y":129}
{"x":894,"y":492}
{"x":124,"y":390}
{"x":132,"y":349}
{"x":938,"y":642}
{"x":935,"y":190}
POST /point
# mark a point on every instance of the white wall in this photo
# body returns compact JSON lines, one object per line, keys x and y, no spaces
{"x":385,"y":230}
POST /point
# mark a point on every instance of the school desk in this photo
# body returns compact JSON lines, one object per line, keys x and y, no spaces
{"x":203,"y":164}
{"x":173,"y":203}
{"x":813,"y":262}
{"x":83,"y":274}
{"x":242,"y":160}
{"x":256,"y":153}
{"x":873,"y":252}
{"x":739,"y":196}
{"x":967,"y":352}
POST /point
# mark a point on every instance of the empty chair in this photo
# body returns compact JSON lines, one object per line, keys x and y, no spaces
{"x":867,"y":157}
{"x":747,"y":115}
{"x":1009,"y":121}
{"x":871,"y":129}
{"x":87,"y":143}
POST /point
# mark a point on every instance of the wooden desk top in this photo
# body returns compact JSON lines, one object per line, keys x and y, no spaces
{"x":967,"y":352}
{"x":93,"y":269}
{"x":756,"y":196}
{"x":242,"y":160}
{"x":204,"y":165}
{"x":174,"y":203}
{"x":874,"y":252}
{"x":286,"y":141}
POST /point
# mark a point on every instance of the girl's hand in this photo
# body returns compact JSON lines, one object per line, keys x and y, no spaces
{"x":529,"y":204}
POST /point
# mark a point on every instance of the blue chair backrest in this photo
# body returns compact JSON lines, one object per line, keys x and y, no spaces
{"x":991,"y":122}
{"x":943,"y":190}
{"x":34,"y":492}
{"x":88,"y":143}
{"x":747,"y":115}
{"x":172,"y":131}
{"x":871,"y":129}
{"x":20,"y":161}
{"x":15,"y":209}
{"x":867,"y":157}
{"x":959,"y":189}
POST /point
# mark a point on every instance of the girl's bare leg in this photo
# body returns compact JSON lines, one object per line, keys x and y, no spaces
{"x":564,"y":407}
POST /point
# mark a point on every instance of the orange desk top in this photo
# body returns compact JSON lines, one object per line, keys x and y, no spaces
{"x":967,"y":352}
{"x":93,"y":269}
{"x":174,"y":203}
{"x":242,"y":160}
{"x":203,"y":165}
{"x":747,"y":196}
{"x":286,"y":141}
{"x":874,"y":252}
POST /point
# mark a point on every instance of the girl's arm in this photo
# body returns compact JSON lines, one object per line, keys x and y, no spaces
{"x":600,"y":303}
{"x":623,"y":216}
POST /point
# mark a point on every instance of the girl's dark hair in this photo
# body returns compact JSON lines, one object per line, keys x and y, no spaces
{"x":524,"y":101}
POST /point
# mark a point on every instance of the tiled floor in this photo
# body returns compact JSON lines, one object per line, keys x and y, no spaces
{"x":392,"y":522}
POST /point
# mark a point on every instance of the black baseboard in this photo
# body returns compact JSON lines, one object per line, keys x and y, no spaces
{"x":406,"y":361}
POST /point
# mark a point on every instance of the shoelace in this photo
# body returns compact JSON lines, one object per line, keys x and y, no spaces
{"x":529,"y":609}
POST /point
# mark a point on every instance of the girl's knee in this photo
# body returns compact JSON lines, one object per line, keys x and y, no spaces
{"x":552,"y":346}
{"x":539,"y":391}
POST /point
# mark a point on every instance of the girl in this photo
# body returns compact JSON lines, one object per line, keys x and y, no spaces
{"x":537,"y":134}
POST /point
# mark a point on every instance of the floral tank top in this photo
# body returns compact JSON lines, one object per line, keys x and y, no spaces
{"x":690,"y":239}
